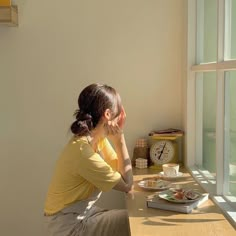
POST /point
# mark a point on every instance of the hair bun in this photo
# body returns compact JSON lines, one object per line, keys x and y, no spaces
{"x":83,"y":123}
{"x":81,"y":115}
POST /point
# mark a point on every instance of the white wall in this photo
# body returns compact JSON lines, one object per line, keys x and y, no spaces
{"x":59,"y":47}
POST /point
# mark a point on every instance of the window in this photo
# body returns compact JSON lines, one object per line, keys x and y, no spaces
{"x":211,"y":98}
{"x":230,"y":29}
{"x":206,"y":31}
{"x":230,"y":133}
{"x":206,"y":121}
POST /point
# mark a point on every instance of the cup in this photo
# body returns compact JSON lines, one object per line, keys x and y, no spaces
{"x":170,"y":169}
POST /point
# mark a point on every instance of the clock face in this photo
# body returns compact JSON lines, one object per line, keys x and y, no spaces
{"x":162,"y":152}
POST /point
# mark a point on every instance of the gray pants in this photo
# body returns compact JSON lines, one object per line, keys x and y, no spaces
{"x":95,"y":222}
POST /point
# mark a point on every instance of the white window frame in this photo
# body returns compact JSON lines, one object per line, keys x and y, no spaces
{"x":220,"y":66}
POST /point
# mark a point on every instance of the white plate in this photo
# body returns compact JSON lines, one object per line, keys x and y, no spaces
{"x":154,"y":184}
{"x":161,"y":174}
{"x":169,"y":196}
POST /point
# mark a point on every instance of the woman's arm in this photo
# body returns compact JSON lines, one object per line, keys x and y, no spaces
{"x":124,"y":166}
{"x":115,"y":134}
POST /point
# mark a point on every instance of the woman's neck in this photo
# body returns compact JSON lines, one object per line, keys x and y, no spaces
{"x":96,"y":135}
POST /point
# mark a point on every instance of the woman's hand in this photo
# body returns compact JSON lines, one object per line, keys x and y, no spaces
{"x":122,"y":118}
{"x":114,"y":128}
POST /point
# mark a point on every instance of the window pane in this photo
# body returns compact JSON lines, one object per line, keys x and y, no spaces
{"x":230,"y":132}
{"x":206,"y":31}
{"x":206,"y":121}
{"x":230,"y":29}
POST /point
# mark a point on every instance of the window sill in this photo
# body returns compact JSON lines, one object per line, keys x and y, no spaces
{"x":208,"y":182}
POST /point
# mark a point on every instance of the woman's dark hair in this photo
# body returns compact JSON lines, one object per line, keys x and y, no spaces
{"x":92,"y":103}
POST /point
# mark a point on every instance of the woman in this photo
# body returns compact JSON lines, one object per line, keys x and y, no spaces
{"x":89,"y":165}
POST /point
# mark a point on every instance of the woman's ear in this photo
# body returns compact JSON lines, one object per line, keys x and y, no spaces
{"x":107,"y":114}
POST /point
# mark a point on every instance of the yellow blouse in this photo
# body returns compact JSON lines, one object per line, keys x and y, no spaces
{"x":79,"y":171}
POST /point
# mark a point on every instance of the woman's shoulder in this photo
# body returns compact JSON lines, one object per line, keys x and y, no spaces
{"x":77,"y":146}
{"x":79,"y":139}
{"x":78,"y":142}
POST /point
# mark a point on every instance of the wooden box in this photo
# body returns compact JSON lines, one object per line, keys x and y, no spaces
{"x":9,"y":15}
{"x":5,"y":3}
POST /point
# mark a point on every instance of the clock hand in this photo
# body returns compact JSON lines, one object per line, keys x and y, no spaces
{"x":161,"y":152}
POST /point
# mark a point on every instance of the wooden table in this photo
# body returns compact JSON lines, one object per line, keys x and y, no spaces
{"x":206,"y":220}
